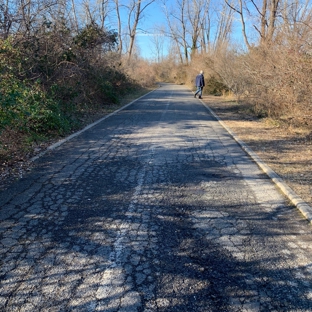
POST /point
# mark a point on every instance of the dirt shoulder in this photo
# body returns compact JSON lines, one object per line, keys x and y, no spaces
{"x":286,"y":150}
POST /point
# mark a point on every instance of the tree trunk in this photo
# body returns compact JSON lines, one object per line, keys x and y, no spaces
{"x":273,"y":14}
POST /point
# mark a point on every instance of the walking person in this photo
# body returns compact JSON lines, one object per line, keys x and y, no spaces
{"x":200,"y":83}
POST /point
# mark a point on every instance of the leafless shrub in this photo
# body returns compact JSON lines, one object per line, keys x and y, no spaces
{"x":274,"y":79}
{"x":226,"y":65}
{"x":139,"y":70}
{"x":280,"y":83}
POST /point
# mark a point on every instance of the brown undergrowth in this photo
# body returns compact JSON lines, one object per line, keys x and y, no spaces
{"x":285,"y":149}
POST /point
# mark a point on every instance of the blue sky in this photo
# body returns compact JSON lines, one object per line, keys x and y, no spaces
{"x":153,"y":18}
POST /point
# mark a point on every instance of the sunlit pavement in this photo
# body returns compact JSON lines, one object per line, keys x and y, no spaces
{"x":155,"y":208}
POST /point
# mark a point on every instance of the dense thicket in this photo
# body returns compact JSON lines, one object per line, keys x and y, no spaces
{"x":48,"y":77}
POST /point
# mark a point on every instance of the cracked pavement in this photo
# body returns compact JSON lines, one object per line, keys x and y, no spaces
{"x":155,"y":208}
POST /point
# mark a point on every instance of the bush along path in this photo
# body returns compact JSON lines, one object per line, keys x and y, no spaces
{"x":19,"y":144}
{"x":52,"y":84}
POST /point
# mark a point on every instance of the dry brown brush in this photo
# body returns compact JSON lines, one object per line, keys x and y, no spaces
{"x":275,"y":80}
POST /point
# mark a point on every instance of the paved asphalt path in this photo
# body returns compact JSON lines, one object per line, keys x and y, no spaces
{"x":155,"y":208}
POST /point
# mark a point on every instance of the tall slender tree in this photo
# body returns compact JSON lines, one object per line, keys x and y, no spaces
{"x":136,"y":10}
{"x":266,"y":12}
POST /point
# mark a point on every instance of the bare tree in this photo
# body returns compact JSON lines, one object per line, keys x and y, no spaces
{"x":25,"y":16}
{"x":296,"y":26}
{"x":178,"y":37}
{"x":104,"y":12}
{"x":266,"y":13}
{"x":215,"y":27}
{"x":190,"y":25}
{"x":88,"y":12}
{"x":224,"y":26}
{"x":96,"y":12}
{"x":185,"y":21}
{"x":197,"y":12}
{"x":274,"y":5}
{"x":6,"y":19}
{"x":75,"y":15}
{"x":136,"y":9}
{"x":158,"y":41}
{"x":239,"y":9}
{"x":119,"y":26}
{"x":134,"y":12}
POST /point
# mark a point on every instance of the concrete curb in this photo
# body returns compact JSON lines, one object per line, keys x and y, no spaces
{"x":296,"y":200}
{"x":59,"y":143}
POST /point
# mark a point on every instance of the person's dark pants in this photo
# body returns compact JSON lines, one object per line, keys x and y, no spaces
{"x":199,"y":91}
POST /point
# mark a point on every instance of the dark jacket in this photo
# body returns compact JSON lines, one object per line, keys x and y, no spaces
{"x":200,"y":80}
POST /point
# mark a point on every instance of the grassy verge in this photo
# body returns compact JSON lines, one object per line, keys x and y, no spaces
{"x":19,"y":146}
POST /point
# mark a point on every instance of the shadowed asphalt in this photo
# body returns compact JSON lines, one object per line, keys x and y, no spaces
{"x":153,"y":208}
